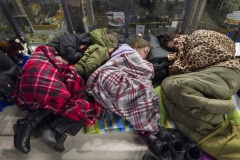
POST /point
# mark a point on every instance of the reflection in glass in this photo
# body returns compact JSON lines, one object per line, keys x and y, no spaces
{"x":157,"y":16}
{"x":110,"y":14}
{"x":76,"y":10}
{"x":218,"y":15}
{"x":41,"y":21}
{"x":6,"y":31}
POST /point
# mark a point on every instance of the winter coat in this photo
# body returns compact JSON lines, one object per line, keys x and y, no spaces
{"x":67,"y":45}
{"x":198,"y":101}
{"x":96,"y":54}
{"x":9,"y":72}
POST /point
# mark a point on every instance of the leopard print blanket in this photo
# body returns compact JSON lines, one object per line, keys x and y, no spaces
{"x":201,"y":50}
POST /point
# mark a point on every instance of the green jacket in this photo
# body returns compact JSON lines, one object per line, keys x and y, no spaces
{"x":198,"y":101}
{"x":96,"y":54}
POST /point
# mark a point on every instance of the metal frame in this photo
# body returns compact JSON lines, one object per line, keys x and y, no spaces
{"x":186,"y":17}
{"x":236,"y":33}
{"x":11,"y":19}
{"x":13,"y":23}
{"x":67,"y":16}
{"x":126,"y":12}
{"x":19,"y":33}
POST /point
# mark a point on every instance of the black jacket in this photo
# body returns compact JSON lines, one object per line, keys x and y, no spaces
{"x":67,"y":46}
{"x":9,"y":72}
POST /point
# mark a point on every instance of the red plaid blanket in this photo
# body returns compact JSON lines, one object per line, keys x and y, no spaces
{"x":45,"y":82}
{"x":124,"y":86}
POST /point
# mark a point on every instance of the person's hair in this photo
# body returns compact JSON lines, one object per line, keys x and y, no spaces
{"x":141,"y":43}
{"x":113,"y":37}
{"x":165,"y":38}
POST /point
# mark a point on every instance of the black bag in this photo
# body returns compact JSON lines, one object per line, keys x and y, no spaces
{"x":238,"y":93}
{"x":9,"y":72}
{"x":160,"y":68}
{"x":7,"y":85}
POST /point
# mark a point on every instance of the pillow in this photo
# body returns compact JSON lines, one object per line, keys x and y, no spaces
{"x":157,"y":50}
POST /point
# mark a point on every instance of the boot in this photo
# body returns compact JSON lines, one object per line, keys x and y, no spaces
{"x":63,"y":124}
{"x":15,"y":125}
{"x":192,"y":152}
{"x":55,"y":133}
{"x":60,"y":139}
{"x":148,"y":156}
{"x":25,"y":128}
{"x":177,"y":149}
{"x":159,"y":148}
{"x":164,"y":135}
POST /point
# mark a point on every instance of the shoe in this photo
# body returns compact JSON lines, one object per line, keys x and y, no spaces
{"x":60,"y":139}
{"x":177,"y":149}
{"x":24,"y":129}
{"x":164,"y":135}
{"x":148,"y":156}
{"x":15,"y":125}
{"x":62,"y":124}
{"x":192,"y":152}
{"x":159,"y":148}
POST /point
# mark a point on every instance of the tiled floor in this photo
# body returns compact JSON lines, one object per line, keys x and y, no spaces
{"x":113,"y":146}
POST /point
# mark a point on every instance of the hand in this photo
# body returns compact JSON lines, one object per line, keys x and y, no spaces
{"x":61,"y":59}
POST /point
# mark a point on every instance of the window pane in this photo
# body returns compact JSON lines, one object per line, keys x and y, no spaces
{"x":91,"y":14}
{"x":156,"y":16}
{"x":6,"y":31}
{"x":219,"y":15}
{"x":76,"y":13}
{"x":40,"y":20}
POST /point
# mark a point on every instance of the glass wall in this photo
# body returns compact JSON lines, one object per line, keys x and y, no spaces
{"x":6,"y":31}
{"x":219,"y":15}
{"x":40,"y":20}
{"x":43,"y":20}
{"x":156,"y":16}
{"x":88,"y":15}
{"x":108,"y":13}
{"x":76,"y":11}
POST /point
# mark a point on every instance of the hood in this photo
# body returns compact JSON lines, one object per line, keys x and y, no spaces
{"x":99,"y":36}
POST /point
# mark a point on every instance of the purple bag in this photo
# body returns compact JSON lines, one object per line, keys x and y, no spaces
{"x":206,"y":156}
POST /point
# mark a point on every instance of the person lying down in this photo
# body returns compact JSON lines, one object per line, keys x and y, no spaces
{"x":123,"y":85}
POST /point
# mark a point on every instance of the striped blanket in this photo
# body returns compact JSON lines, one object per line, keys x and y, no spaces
{"x":114,"y":123}
{"x":124,"y":87}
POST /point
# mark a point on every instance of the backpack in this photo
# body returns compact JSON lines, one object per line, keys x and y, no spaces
{"x":9,"y":72}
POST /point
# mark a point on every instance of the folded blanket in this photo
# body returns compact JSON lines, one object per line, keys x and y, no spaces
{"x":203,"y":49}
{"x":45,"y":82}
{"x":124,"y":87}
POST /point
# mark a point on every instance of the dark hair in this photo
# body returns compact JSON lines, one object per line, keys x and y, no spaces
{"x":165,"y":38}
